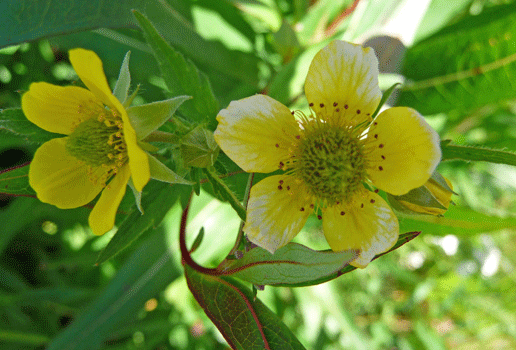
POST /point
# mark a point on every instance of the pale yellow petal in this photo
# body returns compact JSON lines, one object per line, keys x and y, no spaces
{"x":342,"y":83}
{"x":366,"y":223}
{"x":403,"y":150}
{"x":56,"y":108}
{"x":88,"y":67}
{"x":277,"y":210}
{"x":102,"y":217}
{"x":257,"y":133}
{"x":60,"y":179}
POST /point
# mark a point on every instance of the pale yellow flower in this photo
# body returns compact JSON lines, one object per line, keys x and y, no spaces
{"x":101,"y":151}
{"x":328,"y":156}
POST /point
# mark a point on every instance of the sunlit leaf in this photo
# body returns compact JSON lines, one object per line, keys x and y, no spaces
{"x":293,"y":264}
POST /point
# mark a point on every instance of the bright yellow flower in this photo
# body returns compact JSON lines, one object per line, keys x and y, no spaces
{"x":328,"y":156}
{"x":100,"y":153}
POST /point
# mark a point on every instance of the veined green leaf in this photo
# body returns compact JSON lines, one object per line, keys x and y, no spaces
{"x":181,"y":76}
{"x":244,"y":321}
{"x":293,"y":264}
{"x":480,"y":64}
{"x":14,"y":121}
{"x":15,"y":181}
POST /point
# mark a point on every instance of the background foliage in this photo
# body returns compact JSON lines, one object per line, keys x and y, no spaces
{"x":451,"y":288}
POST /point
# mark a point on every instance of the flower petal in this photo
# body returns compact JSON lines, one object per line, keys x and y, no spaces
{"x":366,"y":223}
{"x":60,"y":179}
{"x":102,"y":217}
{"x":342,"y":83}
{"x":88,"y":67}
{"x":257,"y":133}
{"x":277,"y":210}
{"x":403,"y":150}
{"x":56,"y":108}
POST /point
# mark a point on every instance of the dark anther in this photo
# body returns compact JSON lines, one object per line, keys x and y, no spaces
{"x":358,"y":111}
{"x":321,"y":105}
{"x":311,"y":104}
{"x":346,"y":106}
{"x":376,"y":191}
{"x":380,"y":168}
{"x":288,"y":188}
{"x":277,"y":145}
{"x":362,"y":205}
{"x":280,"y":187}
{"x":383,"y":157}
{"x":337,"y":110}
{"x":281,"y":182}
{"x":302,"y":209}
{"x":342,"y":213}
{"x":372,"y":200}
{"x":381,"y":145}
{"x":375,"y":136}
{"x":319,"y":217}
{"x":335,"y":104}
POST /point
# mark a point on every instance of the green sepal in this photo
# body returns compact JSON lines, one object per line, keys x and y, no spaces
{"x":199,"y":148}
{"x":124,"y":80}
{"x":149,"y":117}
{"x":137,"y":196}
{"x":161,"y":172}
{"x":384,"y":99}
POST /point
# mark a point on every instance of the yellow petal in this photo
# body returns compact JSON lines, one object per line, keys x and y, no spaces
{"x":60,"y":179}
{"x":277,"y":210}
{"x":56,"y":108}
{"x":403,"y":150}
{"x":342,"y":83}
{"x":257,"y":133}
{"x":366,"y":223}
{"x":88,"y":67}
{"x":102,"y":217}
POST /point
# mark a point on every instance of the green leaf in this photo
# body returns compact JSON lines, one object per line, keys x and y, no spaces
{"x":460,"y":221}
{"x":181,"y":76}
{"x":157,"y":199}
{"x":14,"y":122}
{"x":32,"y":339}
{"x":293,"y":264}
{"x":223,"y":191}
{"x":148,"y":270}
{"x":480,"y":64}
{"x":15,"y":181}
{"x":384,"y":99}
{"x":245,"y":322}
{"x":471,"y":153}
{"x":27,"y":21}
{"x":149,"y":117}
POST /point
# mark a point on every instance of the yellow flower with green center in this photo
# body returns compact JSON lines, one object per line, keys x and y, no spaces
{"x":327,"y":157}
{"x":102,"y":150}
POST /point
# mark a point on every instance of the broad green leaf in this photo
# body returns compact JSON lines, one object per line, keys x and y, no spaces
{"x":157,"y":199}
{"x":15,"y":181}
{"x":181,"y":76}
{"x":245,"y":322}
{"x":161,"y":172}
{"x":30,"y":20}
{"x":460,"y":221}
{"x":293,"y":264}
{"x":149,"y":269}
{"x":30,"y":339}
{"x":472,"y":153}
{"x":14,"y":121}
{"x":480,"y":64}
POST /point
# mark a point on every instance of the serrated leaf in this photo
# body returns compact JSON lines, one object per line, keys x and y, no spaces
{"x":293,"y":264}
{"x":199,"y":148}
{"x":14,"y":121}
{"x":15,"y":181}
{"x":157,"y":199}
{"x":148,"y":270}
{"x":181,"y":76}
{"x":244,"y":322}
{"x":480,"y":64}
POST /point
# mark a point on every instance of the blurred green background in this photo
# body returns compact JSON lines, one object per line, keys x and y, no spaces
{"x":451,"y":288}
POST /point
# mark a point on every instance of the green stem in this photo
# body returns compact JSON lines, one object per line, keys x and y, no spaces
{"x":451,"y":152}
{"x":240,"y":235}
{"x":225,"y":192}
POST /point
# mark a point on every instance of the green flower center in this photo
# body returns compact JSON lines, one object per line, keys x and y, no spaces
{"x":331,"y":163}
{"x":98,"y":141}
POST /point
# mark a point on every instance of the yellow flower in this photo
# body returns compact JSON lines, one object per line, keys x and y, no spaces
{"x":100,"y":153}
{"x":329,"y":155}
